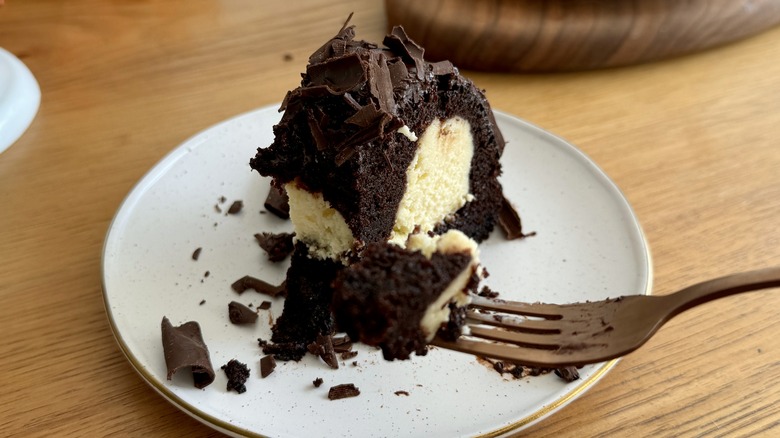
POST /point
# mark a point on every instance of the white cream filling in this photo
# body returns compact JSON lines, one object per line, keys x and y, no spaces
{"x":406,"y":132}
{"x":451,"y":242}
{"x":321,"y":227}
{"x":437,"y":180}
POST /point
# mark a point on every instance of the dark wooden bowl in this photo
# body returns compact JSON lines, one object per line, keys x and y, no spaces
{"x":566,"y":35}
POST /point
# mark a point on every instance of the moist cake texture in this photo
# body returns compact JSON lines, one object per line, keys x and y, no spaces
{"x":398,"y":298}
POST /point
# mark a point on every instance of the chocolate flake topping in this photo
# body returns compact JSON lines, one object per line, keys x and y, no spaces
{"x":510,"y":222}
{"x":277,"y":202}
{"x":267,"y":366}
{"x":241,"y":314}
{"x":183,"y":346}
{"x":249,"y":282}
{"x":568,"y":374}
{"x":399,"y":41}
{"x":237,"y":374}
{"x":278,"y":246}
{"x":343,"y":391}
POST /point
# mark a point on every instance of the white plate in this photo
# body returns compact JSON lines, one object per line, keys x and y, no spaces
{"x":19,"y":98}
{"x":589,"y":246}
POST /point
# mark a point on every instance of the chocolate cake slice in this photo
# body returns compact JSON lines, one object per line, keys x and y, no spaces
{"x":374,"y":145}
{"x":398,"y":299}
{"x":377,"y":143}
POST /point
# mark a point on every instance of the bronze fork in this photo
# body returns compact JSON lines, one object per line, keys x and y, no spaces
{"x":558,"y":335}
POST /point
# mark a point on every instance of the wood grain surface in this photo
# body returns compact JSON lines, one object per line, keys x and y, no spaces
{"x":565,"y":35}
{"x":692,"y":142}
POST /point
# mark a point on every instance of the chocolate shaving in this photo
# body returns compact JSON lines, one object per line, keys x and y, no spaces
{"x":235,"y":207}
{"x":249,"y":282}
{"x":352,"y":102}
{"x":401,"y":393}
{"x":183,"y":346}
{"x":366,"y":116}
{"x":443,"y":68}
{"x":316,"y":133}
{"x":341,"y":348}
{"x":237,"y":374}
{"x":267,"y":366}
{"x":568,"y":374}
{"x":343,"y":391}
{"x":380,"y":83}
{"x":347,"y":33}
{"x":399,"y":74}
{"x":323,"y":347}
{"x":410,"y":51}
{"x":265,"y":305}
{"x":277,"y":245}
{"x":317,"y":382}
{"x":339,"y":74}
{"x":241,"y":314}
{"x":510,"y":221}
{"x":277,"y":202}
{"x":196,"y":254}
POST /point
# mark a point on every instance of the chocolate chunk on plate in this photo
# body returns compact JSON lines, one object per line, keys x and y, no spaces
{"x":241,"y":314}
{"x":267,"y":365}
{"x":277,"y":245}
{"x":183,"y":347}
{"x":249,"y":282}
{"x":343,"y":391}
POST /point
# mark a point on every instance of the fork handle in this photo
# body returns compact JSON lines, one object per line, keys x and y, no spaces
{"x":721,"y":287}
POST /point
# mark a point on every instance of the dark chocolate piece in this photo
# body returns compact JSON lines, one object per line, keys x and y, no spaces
{"x":277,"y":245}
{"x":323,"y":348}
{"x":196,"y":253}
{"x":277,"y":202}
{"x":568,"y":374}
{"x":241,"y":314}
{"x":235,"y":207}
{"x":401,"y":393}
{"x":183,"y":346}
{"x":237,"y":374}
{"x":510,"y":221}
{"x":343,"y":391}
{"x":265,"y":305}
{"x":249,"y":282}
{"x":267,"y":366}
{"x":317,"y":382}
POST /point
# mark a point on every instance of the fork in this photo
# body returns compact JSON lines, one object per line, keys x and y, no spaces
{"x":560,"y":335}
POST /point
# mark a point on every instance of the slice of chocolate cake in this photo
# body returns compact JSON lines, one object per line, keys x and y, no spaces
{"x":377,"y":143}
{"x":398,"y":299}
{"x":374,"y":145}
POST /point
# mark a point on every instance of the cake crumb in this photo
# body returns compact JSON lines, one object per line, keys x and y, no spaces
{"x":317,"y":382}
{"x":277,"y":245}
{"x":196,"y":253}
{"x":237,"y":374}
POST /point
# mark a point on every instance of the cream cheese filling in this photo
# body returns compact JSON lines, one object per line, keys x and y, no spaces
{"x":317,"y":224}
{"x":437,"y":180}
{"x":451,"y":242}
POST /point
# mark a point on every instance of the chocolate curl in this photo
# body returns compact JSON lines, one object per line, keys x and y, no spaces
{"x":510,"y":221}
{"x":410,"y":51}
{"x":183,"y":346}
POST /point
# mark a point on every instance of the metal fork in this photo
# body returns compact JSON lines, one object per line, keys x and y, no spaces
{"x":559,"y":335}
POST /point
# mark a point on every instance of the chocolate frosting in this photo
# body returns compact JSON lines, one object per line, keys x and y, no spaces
{"x":183,"y":346}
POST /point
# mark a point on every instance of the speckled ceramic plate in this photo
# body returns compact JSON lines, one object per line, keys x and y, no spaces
{"x":588,"y":246}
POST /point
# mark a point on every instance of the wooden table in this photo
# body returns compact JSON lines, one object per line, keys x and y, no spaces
{"x":694,"y":143}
